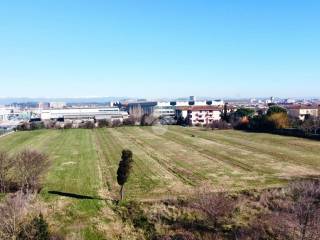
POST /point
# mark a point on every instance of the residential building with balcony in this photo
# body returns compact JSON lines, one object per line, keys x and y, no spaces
{"x":200,"y":115}
{"x":302,"y":111}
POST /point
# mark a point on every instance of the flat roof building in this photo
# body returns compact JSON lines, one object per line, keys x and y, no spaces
{"x":110,"y":113}
{"x":168,"y":109}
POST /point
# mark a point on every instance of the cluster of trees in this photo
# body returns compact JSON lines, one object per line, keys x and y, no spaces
{"x":26,"y":126}
{"x":136,"y":114}
{"x":275,"y":118}
{"x":51,"y":124}
{"x":132,"y":120}
{"x":139,"y":117}
{"x":35,"y":125}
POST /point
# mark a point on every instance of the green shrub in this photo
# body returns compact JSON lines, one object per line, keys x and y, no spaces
{"x":37,"y":229}
{"x":134,"y":213}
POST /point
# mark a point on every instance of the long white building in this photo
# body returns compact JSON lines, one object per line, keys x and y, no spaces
{"x":110,"y":113}
{"x":4,"y":113}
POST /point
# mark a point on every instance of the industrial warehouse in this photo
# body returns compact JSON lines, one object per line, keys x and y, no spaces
{"x":111,"y":113}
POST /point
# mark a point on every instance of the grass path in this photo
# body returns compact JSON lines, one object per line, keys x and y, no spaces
{"x":74,"y":173}
{"x":149,"y":177}
{"x":267,"y":146}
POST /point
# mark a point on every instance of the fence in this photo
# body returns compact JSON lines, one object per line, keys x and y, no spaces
{"x":291,"y":132}
{"x":296,"y":133}
{"x":5,"y":131}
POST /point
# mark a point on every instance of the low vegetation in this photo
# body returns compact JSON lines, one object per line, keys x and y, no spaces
{"x":290,"y":213}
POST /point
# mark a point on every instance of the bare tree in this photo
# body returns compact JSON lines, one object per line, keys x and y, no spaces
{"x":67,"y":125}
{"x":116,"y":123}
{"x":215,"y":205}
{"x":88,"y":125}
{"x":30,"y":165}
{"x":148,"y":119}
{"x":58,"y":125}
{"x":5,"y":165}
{"x":19,"y":218}
{"x":12,"y":213}
{"x":102,"y":123}
{"x":136,"y":113}
{"x":49,"y":124}
{"x":130,"y":121}
{"x":306,"y":209}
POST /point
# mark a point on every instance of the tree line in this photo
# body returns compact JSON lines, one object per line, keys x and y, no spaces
{"x":275,"y":118}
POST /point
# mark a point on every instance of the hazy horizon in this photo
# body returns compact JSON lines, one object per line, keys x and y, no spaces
{"x":102,"y":99}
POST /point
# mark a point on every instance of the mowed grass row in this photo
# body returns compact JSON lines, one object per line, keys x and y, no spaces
{"x":234,"y":159}
{"x":70,"y":193}
{"x":265,"y":155}
{"x":172,"y":163}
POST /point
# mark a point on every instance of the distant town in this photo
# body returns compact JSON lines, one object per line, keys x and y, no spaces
{"x":196,"y":112}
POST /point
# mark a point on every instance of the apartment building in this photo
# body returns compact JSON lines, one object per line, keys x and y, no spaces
{"x":202,"y":115}
{"x":168,"y":109}
{"x":301,"y":111}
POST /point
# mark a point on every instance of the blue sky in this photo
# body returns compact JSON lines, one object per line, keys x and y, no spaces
{"x":159,"y":48}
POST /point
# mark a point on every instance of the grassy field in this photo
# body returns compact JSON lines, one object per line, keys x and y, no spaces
{"x":84,"y":165}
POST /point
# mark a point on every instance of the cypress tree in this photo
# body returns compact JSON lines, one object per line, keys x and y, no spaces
{"x":124,"y":170}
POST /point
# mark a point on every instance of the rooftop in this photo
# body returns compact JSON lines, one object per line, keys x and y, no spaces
{"x":202,"y":108}
{"x":296,"y":106}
